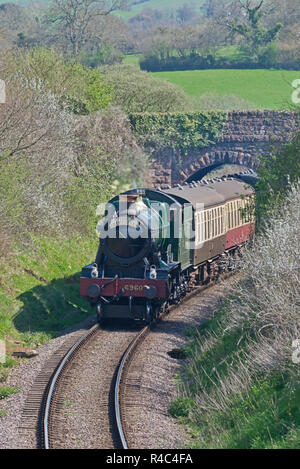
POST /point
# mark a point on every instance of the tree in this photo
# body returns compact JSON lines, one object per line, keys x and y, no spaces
{"x":213,"y":8}
{"x":254,"y":35}
{"x":72,"y":19}
{"x":185,"y":13}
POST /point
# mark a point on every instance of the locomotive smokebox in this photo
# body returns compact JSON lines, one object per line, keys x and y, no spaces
{"x":128,"y":236}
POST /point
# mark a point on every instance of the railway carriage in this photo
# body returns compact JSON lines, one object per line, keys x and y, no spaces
{"x":154,"y":244}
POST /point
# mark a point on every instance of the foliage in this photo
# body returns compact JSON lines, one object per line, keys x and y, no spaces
{"x":75,"y":19}
{"x":196,"y":61}
{"x":277,"y":171}
{"x":181,"y":407}
{"x":180,"y":131}
{"x":82,"y":89}
{"x":56,"y":167}
{"x":6,"y":391}
{"x":137,"y":91}
{"x":255,"y":36}
{"x":102,"y":55}
{"x":4,"y":367}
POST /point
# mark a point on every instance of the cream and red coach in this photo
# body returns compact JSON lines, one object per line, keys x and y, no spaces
{"x":192,"y":227}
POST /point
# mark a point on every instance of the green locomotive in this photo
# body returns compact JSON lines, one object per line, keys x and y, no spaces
{"x":154,"y":244}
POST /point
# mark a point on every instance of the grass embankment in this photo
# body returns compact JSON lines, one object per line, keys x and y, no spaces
{"x":240,"y":385}
{"x":266,"y":89}
{"x":265,"y":415}
{"x":39,"y":288}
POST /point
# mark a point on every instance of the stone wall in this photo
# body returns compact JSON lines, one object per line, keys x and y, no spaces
{"x":247,"y":134}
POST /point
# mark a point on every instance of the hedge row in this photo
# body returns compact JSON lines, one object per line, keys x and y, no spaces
{"x":183,"y":131}
{"x":196,"y":62}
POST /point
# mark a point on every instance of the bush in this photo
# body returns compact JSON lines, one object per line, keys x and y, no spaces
{"x":277,"y":171}
{"x":83,"y":89}
{"x":137,"y":91}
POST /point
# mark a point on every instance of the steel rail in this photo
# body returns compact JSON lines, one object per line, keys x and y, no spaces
{"x":119,"y":380}
{"x":53,"y":382}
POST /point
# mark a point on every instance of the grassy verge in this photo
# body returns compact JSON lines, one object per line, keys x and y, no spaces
{"x":264,"y":415}
{"x":39,"y":288}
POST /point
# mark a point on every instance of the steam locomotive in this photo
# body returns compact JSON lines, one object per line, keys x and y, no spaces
{"x":155,"y":244}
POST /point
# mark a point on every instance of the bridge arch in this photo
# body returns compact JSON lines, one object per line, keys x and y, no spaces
{"x":203,"y":164}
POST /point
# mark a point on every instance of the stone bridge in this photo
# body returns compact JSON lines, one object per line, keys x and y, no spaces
{"x":247,"y":134}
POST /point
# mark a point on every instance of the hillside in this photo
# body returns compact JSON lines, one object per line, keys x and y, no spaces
{"x":133,"y":9}
{"x":157,"y":5}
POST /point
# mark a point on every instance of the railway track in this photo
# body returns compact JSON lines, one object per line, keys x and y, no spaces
{"x":53,"y":383}
{"x":45,"y":410}
{"x":52,"y":407}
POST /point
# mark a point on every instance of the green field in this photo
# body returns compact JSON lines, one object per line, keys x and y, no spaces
{"x":267,"y":89}
{"x":157,"y":5}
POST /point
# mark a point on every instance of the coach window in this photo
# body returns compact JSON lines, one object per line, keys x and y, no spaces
{"x":216,"y":222}
{"x":228,"y":216}
{"x":223,"y":220}
{"x":210,"y":216}
{"x":235,"y":213}
{"x":239,"y":213}
{"x":207,"y":225}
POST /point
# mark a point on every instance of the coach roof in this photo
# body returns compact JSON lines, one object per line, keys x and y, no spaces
{"x":213,"y":193}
